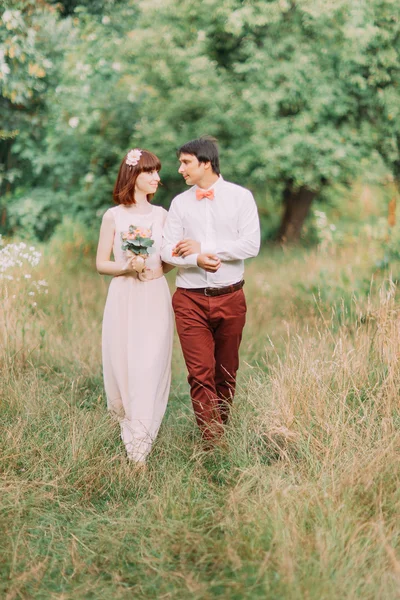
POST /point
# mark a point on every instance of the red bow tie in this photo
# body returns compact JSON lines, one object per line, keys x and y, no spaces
{"x":200,"y":194}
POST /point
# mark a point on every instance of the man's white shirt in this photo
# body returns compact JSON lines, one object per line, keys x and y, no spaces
{"x":228,"y":226}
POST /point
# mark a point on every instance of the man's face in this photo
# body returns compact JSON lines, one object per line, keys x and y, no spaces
{"x":191,"y":169}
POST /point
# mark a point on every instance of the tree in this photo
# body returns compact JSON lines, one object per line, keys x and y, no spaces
{"x":24,"y":77}
{"x":302,"y":95}
{"x":269,"y":79}
{"x":27,"y":72}
{"x":373,"y":71}
{"x":86,"y":113}
{"x":91,"y":113}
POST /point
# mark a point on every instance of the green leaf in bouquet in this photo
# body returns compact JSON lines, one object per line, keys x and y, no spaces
{"x":131,"y":245}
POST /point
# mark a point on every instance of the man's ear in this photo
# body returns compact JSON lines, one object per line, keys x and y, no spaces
{"x":207,"y":165}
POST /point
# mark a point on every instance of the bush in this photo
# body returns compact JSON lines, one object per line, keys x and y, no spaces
{"x":34,"y":214}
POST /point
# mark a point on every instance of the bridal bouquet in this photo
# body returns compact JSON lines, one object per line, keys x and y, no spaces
{"x":138,"y":241}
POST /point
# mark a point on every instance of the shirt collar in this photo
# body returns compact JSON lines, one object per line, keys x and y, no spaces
{"x":215,"y":186}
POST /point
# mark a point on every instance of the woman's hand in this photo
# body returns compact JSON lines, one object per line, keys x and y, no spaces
{"x":135,"y":263}
{"x":186,"y":247}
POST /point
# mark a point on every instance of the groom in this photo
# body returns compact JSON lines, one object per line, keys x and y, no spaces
{"x":210,"y":229}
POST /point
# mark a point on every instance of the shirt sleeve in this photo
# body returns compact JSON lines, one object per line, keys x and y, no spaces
{"x":172,"y":234}
{"x":248,"y":243}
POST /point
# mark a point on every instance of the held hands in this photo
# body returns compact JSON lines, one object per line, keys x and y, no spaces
{"x":134,"y":263}
{"x":208,"y":262}
{"x":186,"y":247}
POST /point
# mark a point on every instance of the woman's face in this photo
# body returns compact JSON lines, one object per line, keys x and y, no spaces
{"x":147,"y":183}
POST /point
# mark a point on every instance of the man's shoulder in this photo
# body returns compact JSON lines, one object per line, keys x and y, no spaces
{"x":177,"y":200}
{"x":236,"y":188}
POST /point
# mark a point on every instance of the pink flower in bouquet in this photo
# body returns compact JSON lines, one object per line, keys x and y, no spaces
{"x":137,"y":240}
{"x":143,"y":233}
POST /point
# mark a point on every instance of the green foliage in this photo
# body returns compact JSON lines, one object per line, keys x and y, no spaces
{"x":279,"y":105}
{"x":27,"y":67}
{"x":300,"y":95}
{"x":36,"y":213}
{"x":372,"y":44}
{"x":95,"y":7}
{"x":73,"y":245}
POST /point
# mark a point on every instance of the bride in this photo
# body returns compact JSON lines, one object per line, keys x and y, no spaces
{"x":138,"y":322}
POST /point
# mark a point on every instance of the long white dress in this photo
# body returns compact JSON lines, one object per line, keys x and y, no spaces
{"x":137,"y":340}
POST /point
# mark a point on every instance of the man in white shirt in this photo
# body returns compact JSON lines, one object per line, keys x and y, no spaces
{"x":210,"y":229}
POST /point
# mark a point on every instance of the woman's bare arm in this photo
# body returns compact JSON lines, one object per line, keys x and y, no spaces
{"x":104,"y":265}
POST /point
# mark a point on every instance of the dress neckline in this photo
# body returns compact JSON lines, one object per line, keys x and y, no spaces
{"x":135,"y":215}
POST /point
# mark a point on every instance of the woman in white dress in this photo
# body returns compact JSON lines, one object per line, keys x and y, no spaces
{"x":138,"y":318}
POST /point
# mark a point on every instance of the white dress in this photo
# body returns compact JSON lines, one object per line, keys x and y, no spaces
{"x":137,"y":340}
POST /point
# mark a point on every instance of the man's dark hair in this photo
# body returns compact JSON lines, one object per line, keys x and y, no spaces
{"x":205,"y":149}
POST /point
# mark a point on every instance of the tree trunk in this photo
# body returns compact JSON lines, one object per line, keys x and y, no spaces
{"x":296,"y":207}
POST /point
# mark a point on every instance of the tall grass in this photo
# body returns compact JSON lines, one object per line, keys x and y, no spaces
{"x":303,"y":501}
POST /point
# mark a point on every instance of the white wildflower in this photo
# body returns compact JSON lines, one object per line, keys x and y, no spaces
{"x":16,"y":256}
{"x":73,"y":122}
{"x":106,"y":20}
{"x":5,"y":69}
{"x":7,"y":16}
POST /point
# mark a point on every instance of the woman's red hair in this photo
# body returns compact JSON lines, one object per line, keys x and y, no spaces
{"x":124,"y":189}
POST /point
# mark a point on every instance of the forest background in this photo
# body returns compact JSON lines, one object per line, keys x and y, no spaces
{"x":303,"y":499}
{"x":302,"y":96}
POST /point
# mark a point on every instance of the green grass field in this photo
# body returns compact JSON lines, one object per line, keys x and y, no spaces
{"x":302,"y":504}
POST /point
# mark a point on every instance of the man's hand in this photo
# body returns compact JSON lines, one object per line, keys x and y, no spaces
{"x":208,"y":262}
{"x":186,"y":247}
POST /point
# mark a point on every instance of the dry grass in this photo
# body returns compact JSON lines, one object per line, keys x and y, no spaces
{"x":303,"y":502}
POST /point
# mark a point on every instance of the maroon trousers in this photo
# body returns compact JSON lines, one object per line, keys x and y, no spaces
{"x":210,"y":332}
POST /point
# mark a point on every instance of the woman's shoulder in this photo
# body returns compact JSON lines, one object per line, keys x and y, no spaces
{"x":109,"y":214}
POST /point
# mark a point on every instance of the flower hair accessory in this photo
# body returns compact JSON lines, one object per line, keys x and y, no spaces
{"x":133,"y":157}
